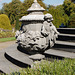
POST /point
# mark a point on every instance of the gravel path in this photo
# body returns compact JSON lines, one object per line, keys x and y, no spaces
{"x":4,"y":45}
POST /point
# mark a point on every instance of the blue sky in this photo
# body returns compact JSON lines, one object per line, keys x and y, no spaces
{"x":48,"y":2}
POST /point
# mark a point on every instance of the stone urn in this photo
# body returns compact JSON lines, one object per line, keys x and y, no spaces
{"x":36,"y":34}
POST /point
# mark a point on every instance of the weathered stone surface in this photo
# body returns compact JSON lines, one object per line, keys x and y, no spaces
{"x":37,"y":32}
{"x":65,"y":40}
{"x":69,"y":35}
{"x":37,"y":57}
{"x":18,"y":56}
{"x":5,"y":65}
{"x":60,"y":53}
{"x":32,"y":17}
{"x":65,"y":43}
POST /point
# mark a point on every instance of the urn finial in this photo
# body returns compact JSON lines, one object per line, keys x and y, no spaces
{"x":35,"y":1}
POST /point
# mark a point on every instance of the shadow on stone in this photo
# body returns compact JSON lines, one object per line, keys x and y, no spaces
{"x":50,"y":57}
{"x":64,"y":46}
{"x":66,"y":38}
{"x":29,"y":52}
{"x":16,"y":62}
{"x":1,"y":72}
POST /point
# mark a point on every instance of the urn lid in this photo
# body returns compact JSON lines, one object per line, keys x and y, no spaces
{"x":36,"y":7}
{"x":36,"y":13}
{"x":32,"y":18}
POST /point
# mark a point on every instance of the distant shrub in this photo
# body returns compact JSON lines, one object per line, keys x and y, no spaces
{"x":72,"y":21}
{"x":5,"y":22}
{"x":6,"y":34}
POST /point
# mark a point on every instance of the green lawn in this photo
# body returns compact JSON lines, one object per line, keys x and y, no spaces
{"x":7,"y":39}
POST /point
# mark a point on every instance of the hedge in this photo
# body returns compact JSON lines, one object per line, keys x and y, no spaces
{"x":5,"y":22}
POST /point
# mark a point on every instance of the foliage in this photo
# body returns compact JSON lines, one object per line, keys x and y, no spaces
{"x":7,"y":39}
{"x":1,"y":11}
{"x":72,"y":21}
{"x":17,"y":24}
{"x":42,"y":4}
{"x":6,"y":34}
{"x":4,"y":22}
{"x":59,"y":15}
{"x":69,"y":7}
{"x":26,"y":5}
{"x":60,"y":67}
{"x":50,"y":6}
{"x":13,"y":9}
{"x":17,"y":8}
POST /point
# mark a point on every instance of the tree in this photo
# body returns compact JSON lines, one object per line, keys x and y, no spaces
{"x":17,"y":8}
{"x":4,"y":22}
{"x":50,"y":6}
{"x":1,"y":11}
{"x":69,"y":7}
{"x":26,"y":5}
{"x":58,"y":15}
{"x":42,"y":4}
{"x":13,"y":9}
{"x":72,"y":21}
{"x":62,"y":13}
{"x":17,"y":24}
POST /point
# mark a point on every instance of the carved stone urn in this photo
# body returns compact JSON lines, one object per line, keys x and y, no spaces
{"x":32,"y":36}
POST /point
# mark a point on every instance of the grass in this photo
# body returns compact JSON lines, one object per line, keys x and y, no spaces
{"x":7,"y":39}
{"x":60,"y":67}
